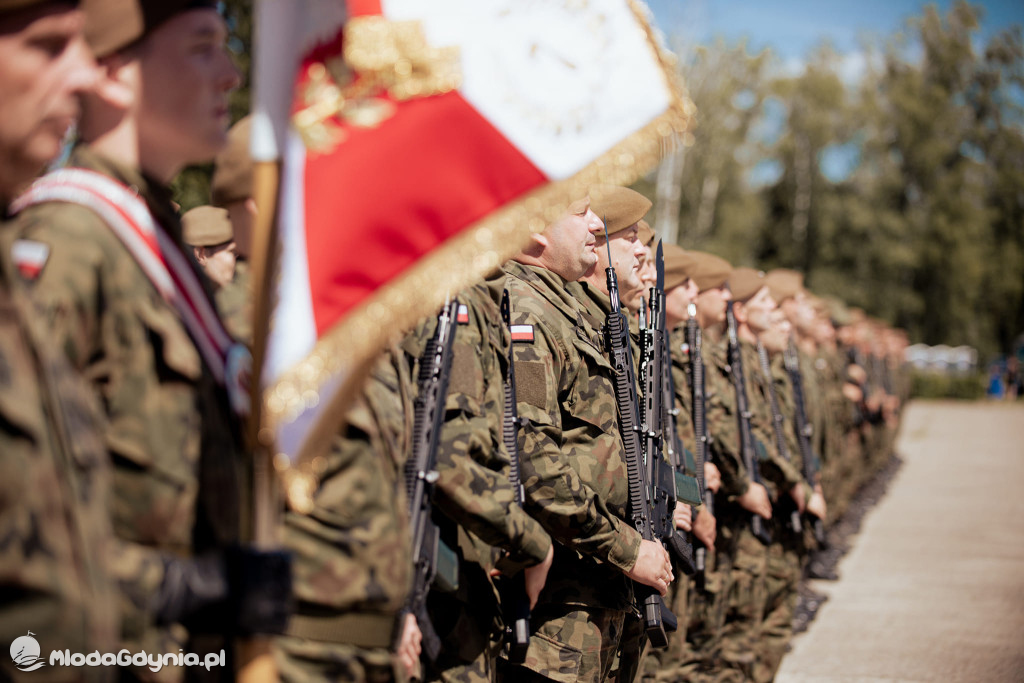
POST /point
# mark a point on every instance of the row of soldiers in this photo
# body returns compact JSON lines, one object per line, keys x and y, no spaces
{"x":123,"y":502}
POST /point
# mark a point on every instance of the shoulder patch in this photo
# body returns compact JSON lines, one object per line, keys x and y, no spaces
{"x":522,"y":333}
{"x":29,"y":257}
{"x":462,"y":317}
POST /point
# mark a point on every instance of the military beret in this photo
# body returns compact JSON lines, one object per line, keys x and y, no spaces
{"x":618,"y":207}
{"x":646,"y":234}
{"x":13,"y":5}
{"x":232,"y":169}
{"x":206,"y":226}
{"x":744,"y":283}
{"x":784,"y":284}
{"x":709,"y":271}
{"x":679,"y":265}
{"x":112,"y":25}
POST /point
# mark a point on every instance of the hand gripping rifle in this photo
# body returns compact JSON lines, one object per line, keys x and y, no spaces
{"x":657,"y":617}
{"x":803,"y":433}
{"x":739,"y":383}
{"x":434,"y":371}
{"x":695,"y":344}
{"x":658,"y":425}
{"x":515,"y":604}
{"x":780,"y":436}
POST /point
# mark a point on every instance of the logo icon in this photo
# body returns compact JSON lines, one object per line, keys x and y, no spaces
{"x":25,"y":653}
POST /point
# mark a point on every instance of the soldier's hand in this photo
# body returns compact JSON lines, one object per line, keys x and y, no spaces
{"x":536,"y":576}
{"x":712,"y":477}
{"x":683,"y":516}
{"x":797,"y":494}
{"x":653,"y":567}
{"x":756,"y":500}
{"x":705,"y":528}
{"x":409,"y":647}
{"x":816,"y":506}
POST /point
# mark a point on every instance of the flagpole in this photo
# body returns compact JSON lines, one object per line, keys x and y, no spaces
{"x":274,"y":63}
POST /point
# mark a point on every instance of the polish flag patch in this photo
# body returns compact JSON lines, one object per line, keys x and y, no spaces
{"x":30,"y":257}
{"x":462,"y":317}
{"x":522,"y":333}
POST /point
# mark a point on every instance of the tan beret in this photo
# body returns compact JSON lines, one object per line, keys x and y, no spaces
{"x":206,"y":226}
{"x":618,"y":207}
{"x":785,"y":284}
{"x":679,"y":265}
{"x":709,"y":271}
{"x":112,"y":25}
{"x":646,"y":234}
{"x":744,"y":283}
{"x":232,"y":169}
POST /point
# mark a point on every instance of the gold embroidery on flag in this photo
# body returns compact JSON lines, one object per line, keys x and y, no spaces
{"x":380,"y":58}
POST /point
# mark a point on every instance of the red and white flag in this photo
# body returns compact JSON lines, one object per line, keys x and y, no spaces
{"x":427,"y":139}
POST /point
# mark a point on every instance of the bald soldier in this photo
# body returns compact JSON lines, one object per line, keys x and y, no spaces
{"x":169,"y":386}
{"x":573,"y":466}
{"x":54,"y":475}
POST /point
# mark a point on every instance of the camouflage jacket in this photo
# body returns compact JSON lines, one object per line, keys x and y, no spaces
{"x":352,"y":552}
{"x":235,"y":303}
{"x":573,"y":465}
{"x":55,"y":537}
{"x":172,"y":438}
{"x":721,"y":419}
{"x":682,"y":381}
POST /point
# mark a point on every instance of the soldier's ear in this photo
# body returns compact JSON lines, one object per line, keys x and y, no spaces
{"x":118,"y":81}
{"x":539,"y":239}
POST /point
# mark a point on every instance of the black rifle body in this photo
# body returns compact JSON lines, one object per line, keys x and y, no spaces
{"x":747,"y":454}
{"x":657,"y":617}
{"x":778,"y":428}
{"x":804,"y":430}
{"x":697,"y":389}
{"x":432,"y":381}
{"x":515,"y":604}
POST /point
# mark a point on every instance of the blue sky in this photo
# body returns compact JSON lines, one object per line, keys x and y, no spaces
{"x":792,"y":27}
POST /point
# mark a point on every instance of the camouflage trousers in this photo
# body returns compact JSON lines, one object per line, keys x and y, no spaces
{"x":471,"y":640}
{"x":303,"y":661}
{"x":744,"y":602}
{"x":662,"y":664}
{"x":782,"y":580}
{"x":574,"y":643}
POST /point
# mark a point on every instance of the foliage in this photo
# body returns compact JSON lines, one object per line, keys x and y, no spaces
{"x":969,"y":386}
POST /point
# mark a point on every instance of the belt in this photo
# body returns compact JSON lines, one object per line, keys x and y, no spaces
{"x":361,"y":630}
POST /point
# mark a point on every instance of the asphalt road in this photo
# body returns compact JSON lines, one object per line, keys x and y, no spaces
{"x":933,"y":587}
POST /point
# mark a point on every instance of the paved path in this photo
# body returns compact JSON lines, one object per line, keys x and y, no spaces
{"x":933,"y":587}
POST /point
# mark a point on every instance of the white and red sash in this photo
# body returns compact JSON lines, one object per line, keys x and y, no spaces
{"x":128,"y":216}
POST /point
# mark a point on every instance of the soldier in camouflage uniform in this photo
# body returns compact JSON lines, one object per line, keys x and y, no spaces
{"x":573,"y":466}
{"x":54,"y":518}
{"x":208,"y":230}
{"x":172,"y":436}
{"x":353,"y":566}
{"x":678,"y":661}
{"x":473,"y":491}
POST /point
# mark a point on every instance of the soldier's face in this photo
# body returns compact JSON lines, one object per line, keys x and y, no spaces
{"x":648,"y":268}
{"x":44,"y":64}
{"x":711,"y":306}
{"x":758,"y":310}
{"x":218,"y":262}
{"x":626,"y":252}
{"x":186,"y":75}
{"x":677,"y":300}
{"x":776,"y":337}
{"x":572,"y":241}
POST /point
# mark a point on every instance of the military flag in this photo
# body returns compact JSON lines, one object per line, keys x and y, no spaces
{"x":423,"y":144}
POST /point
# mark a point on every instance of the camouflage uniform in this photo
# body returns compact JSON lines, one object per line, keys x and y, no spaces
{"x":474,"y":492}
{"x":352,"y":570}
{"x":54,"y":520}
{"x":788,"y":551}
{"x":576,"y":485}
{"x":235,"y":303}
{"x":171,"y":435}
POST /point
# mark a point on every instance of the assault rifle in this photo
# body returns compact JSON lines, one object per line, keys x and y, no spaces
{"x":747,"y":453}
{"x":695,"y":344}
{"x":515,"y":603}
{"x":804,"y":429}
{"x":657,"y":617}
{"x":778,"y":428}
{"x":657,"y":422}
{"x":427,"y":549}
